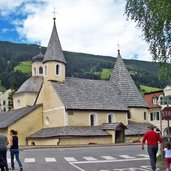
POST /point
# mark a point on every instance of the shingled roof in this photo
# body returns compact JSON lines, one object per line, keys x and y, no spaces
{"x":31,"y":85}
{"x":54,"y":51}
{"x":38,"y":58}
{"x":122,"y":80}
{"x":136,"y":128}
{"x":10,"y":117}
{"x":66,"y":131}
{"x":87,"y":94}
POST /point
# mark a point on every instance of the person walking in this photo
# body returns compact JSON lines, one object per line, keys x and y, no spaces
{"x":152,"y":139}
{"x":3,"y":152}
{"x":14,"y":149}
{"x":167,"y":156}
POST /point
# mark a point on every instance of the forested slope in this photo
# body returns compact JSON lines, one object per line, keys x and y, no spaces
{"x":78,"y":65}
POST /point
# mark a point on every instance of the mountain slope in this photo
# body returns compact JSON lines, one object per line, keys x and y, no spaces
{"x":78,"y":65}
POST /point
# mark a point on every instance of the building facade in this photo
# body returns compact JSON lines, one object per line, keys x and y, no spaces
{"x":5,"y":102}
{"x":72,"y":110}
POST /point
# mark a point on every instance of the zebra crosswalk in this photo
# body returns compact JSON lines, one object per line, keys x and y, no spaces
{"x":85,"y":158}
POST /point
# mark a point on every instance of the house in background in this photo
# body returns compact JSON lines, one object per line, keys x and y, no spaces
{"x":52,"y":109}
{"x":157,"y":101}
{"x":5,"y":102}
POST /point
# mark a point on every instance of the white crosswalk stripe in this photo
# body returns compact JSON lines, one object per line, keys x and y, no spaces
{"x":143,"y":155}
{"x":90,"y":158}
{"x":87,"y":158}
{"x":70,"y":159}
{"x":127,"y":156}
{"x":50,"y":159}
{"x":29,"y":160}
{"x":108,"y":157}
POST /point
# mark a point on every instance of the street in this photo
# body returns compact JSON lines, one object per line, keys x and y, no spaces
{"x":108,"y":158}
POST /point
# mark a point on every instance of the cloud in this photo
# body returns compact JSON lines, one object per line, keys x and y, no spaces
{"x":9,"y":6}
{"x":83,"y":26}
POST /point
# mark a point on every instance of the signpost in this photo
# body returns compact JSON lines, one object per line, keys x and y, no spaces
{"x":166,"y":115}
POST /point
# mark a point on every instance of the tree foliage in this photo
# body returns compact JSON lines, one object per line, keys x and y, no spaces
{"x":154,"y":18}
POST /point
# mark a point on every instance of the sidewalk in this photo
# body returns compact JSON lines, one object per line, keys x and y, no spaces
{"x":76,"y":146}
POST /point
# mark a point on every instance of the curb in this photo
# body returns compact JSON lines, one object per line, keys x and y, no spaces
{"x":77,"y":146}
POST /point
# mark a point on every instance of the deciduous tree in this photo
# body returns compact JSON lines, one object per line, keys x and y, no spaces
{"x":154,"y":18}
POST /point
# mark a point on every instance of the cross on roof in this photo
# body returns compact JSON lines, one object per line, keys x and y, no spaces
{"x":118,"y":45}
{"x":54,"y":13}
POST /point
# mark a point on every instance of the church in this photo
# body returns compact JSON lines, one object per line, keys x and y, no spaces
{"x":52,"y":109}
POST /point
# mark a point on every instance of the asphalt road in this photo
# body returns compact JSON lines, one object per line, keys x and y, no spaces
{"x":108,"y":158}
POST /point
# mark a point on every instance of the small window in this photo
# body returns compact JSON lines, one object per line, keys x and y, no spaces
{"x":129,"y":114}
{"x":110,"y":118}
{"x":4,"y":103}
{"x":47,"y":120}
{"x":45,"y":69}
{"x":154,"y":116}
{"x":145,"y":116}
{"x":57,"y":69}
{"x":155,"y":100}
{"x":34,"y":71}
{"x":93,"y":119}
{"x":40,"y":70}
{"x":18,"y":102}
{"x":33,"y":143}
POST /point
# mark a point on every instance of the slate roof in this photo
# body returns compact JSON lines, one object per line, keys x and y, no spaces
{"x":10,"y":117}
{"x":32,"y":85}
{"x":82,"y":131}
{"x":129,"y":92}
{"x":87,"y":94}
{"x":135,"y":128}
{"x":54,"y":51}
{"x":38,"y":58}
{"x":114,"y":126}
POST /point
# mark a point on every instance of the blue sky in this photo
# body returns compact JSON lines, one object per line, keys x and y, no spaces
{"x":88,"y":26}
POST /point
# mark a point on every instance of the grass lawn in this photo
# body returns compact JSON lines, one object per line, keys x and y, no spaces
{"x":106,"y":73}
{"x":145,"y":89}
{"x":24,"y":66}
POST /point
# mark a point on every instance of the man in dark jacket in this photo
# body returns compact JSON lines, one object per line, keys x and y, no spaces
{"x":3,"y":152}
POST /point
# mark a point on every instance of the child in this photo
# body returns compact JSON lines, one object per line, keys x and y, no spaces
{"x":167,"y":156}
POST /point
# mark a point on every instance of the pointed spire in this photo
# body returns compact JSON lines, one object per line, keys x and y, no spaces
{"x":123,"y":81}
{"x":54,"y":50}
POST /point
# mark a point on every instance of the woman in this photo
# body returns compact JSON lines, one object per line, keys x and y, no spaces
{"x":14,"y":149}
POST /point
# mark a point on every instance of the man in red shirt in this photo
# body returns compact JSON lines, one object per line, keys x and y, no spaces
{"x":152,"y":138}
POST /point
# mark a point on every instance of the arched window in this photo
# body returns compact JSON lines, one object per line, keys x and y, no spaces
{"x":110,"y":118}
{"x":40,"y":70}
{"x":18,"y":102}
{"x":45,"y":69}
{"x":57,"y":69}
{"x":155,"y":99}
{"x":93,"y":119}
{"x":47,"y":120}
{"x":34,"y":71}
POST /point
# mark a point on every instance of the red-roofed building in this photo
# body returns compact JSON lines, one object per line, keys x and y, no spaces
{"x":156,"y":103}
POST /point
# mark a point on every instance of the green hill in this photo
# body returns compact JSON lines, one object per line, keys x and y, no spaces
{"x":15,"y":60}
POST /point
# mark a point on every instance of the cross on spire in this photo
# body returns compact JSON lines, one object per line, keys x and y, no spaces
{"x":118,"y":45}
{"x":54,"y":14}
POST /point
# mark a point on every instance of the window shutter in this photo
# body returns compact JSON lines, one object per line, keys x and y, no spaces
{"x":151,"y":116}
{"x":157,"y":115}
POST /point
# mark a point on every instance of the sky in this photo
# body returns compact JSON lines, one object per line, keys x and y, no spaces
{"x":97,"y":27}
